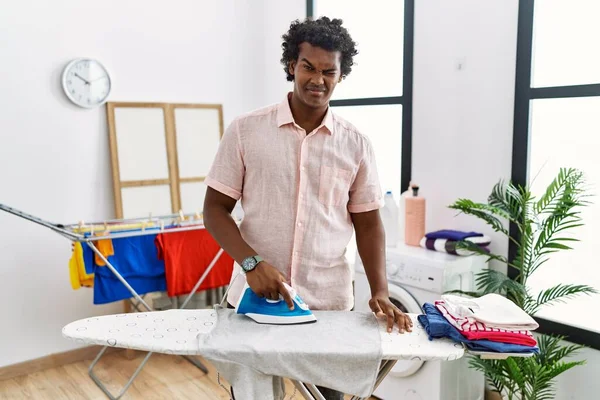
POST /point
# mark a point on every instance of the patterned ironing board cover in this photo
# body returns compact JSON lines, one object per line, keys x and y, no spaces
{"x":176,"y":331}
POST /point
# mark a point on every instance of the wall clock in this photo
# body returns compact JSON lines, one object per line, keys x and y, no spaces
{"x":86,"y":82}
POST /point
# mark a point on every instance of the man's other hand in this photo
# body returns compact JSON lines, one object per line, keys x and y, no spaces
{"x":385,"y":309}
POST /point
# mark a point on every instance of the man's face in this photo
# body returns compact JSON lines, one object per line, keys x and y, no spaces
{"x":316,"y":73}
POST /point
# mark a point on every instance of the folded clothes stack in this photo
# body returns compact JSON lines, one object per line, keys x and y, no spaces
{"x":489,"y":323}
{"x":446,"y":241}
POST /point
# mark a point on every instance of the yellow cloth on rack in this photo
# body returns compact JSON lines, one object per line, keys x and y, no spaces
{"x":77,"y":272}
{"x":105,"y":247}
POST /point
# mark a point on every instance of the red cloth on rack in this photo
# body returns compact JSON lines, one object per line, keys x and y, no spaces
{"x":187,"y":254}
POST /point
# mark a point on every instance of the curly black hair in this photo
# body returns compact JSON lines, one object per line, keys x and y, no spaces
{"x":329,"y":34}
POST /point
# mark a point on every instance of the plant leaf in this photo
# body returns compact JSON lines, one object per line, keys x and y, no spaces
{"x":551,"y":350}
{"x":567,"y":179}
{"x":492,"y":281}
{"x":475,"y":248}
{"x":508,"y":198}
{"x":465,"y":293}
{"x":481,"y":211}
{"x":562,"y":292}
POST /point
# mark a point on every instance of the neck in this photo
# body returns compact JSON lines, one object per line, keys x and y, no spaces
{"x":307,"y":118}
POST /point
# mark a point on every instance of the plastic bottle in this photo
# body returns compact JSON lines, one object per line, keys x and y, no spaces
{"x":415,"y":217}
{"x":401,"y":213}
{"x":389,"y":217}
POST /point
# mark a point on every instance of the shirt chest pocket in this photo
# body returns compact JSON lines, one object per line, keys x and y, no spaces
{"x":334,"y":186}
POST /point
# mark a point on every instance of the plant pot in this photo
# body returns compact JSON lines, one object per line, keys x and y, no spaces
{"x":491,"y":395}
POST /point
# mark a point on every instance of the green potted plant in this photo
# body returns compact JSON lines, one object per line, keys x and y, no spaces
{"x":544,"y":227}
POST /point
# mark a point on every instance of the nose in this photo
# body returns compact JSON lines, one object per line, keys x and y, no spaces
{"x":317,"y":79}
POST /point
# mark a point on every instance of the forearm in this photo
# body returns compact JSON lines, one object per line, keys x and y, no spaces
{"x":222,"y":227}
{"x":370,"y":240}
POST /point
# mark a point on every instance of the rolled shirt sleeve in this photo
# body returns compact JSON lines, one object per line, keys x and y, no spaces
{"x":226,"y":174}
{"x":365,"y":191}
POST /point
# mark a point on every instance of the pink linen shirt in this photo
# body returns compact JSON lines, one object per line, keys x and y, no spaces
{"x":297,"y":192}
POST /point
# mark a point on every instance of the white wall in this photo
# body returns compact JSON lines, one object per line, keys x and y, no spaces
{"x":282,"y":13}
{"x":54,"y":156}
{"x":464,"y":71}
{"x":462,"y":123}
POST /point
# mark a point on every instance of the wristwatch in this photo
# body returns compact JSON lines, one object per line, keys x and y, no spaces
{"x":250,"y":263}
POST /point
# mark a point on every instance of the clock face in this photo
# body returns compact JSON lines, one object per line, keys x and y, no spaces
{"x":86,"y":82}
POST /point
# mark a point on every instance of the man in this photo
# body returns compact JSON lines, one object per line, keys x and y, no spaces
{"x":306,"y":179}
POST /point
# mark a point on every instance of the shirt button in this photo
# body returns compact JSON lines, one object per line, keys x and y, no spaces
{"x":299,"y":223}
{"x":302,"y":168}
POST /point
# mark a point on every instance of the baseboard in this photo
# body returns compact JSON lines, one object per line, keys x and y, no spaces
{"x":52,"y":361}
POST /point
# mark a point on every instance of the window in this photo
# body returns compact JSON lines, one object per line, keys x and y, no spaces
{"x":376,"y":97}
{"x":378,"y":71}
{"x":557,"y":124}
{"x":383,"y":125}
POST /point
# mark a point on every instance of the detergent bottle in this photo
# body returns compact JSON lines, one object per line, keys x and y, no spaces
{"x":415,"y":217}
{"x":389,"y":216}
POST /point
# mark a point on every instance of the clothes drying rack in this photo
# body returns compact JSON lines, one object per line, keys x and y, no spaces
{"x":122,"y":228}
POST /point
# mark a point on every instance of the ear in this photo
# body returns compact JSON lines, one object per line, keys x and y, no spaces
{"x":340,"y":80}
{"x":292,"y":67}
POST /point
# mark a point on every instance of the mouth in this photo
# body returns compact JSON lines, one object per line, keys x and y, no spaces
{"x":316,"y":92}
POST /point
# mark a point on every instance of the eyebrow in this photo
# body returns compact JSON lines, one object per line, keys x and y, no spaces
{"x":309,"y":63}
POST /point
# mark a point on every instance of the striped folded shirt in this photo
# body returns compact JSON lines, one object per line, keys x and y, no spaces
{"x":475,"y":330}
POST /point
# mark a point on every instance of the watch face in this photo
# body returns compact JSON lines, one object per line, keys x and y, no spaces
{"x":249,"y":263}
{"x":86,"y":82}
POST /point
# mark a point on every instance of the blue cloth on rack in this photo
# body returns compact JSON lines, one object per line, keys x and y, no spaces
{"x":88,"y":258}
{"x":136,"y":259}
{"x":108,"y":290}
{"x":451,"y":235}
{"x":437,"y":326}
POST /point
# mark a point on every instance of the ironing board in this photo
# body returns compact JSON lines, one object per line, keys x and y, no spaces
{"x":176,"y":331}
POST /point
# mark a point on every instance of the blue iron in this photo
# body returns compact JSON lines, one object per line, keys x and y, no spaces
{"x":275,"y":312}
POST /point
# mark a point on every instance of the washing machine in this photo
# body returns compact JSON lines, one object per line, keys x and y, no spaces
{"x":416,"y":276}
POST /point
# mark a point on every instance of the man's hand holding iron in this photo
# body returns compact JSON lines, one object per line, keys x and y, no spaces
{"x":266,"y":281}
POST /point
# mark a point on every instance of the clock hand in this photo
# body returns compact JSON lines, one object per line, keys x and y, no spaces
{"x":86,"y":82}
{"x":97,"y":79}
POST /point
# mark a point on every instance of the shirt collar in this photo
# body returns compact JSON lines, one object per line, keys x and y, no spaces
{"x":284,"y":115}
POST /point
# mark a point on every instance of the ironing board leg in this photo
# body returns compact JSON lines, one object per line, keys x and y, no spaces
{"x":309,"y":391}
{"x":103,"y":387}
{"x":384,"y":369}
{"x":197,"y":363}
{"x":136,"y":304}
{"x":303,"y":390}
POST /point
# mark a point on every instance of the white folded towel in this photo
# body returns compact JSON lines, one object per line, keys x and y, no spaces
{"x":494,"y":310}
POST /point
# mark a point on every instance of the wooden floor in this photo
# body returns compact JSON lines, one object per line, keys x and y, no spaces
{"x":163,"y":377}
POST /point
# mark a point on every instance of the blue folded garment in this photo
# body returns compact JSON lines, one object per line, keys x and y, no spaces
{"x":451,"y":235}
{"x":437,"y":326}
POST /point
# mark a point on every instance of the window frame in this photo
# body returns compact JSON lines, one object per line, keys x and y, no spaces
{"x":407,"y":91}
{"x":524,"y":94}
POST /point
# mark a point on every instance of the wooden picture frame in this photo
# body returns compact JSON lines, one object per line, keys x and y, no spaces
{"x":161,"y":150}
